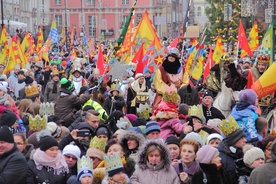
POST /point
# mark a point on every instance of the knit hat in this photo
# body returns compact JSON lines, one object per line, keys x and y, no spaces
{"x":54,"y":129}
{"x":249,"y":96}
{"x":72,"y":150}
{"x":29,"y":80}
{"x":64,"y":63}
{"x":6,"y":135}
{"x":252,"y":154}
{"x":194,"y":136}
{"x":103,"y":130}
{"x":135,"y":129}
{"x":152,"y":126}
{"x":47,"y":142}
{"x":172,"y":140}
{"x":213,"y":136}
{"x":131,"y":117}
{"x":85,"y":167}
{"x":8,"y":118}
{"x":207,"y":93}
{"x":206,"y":154}
{"x":66,"y":84}
{"x":3,"y":87}
{"x":139,"y":75}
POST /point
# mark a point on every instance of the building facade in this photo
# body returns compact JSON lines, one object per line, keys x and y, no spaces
{"x":200,"y":17}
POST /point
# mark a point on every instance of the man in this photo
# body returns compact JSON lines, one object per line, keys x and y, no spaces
{"x":152,"y":130}
{"x":261,"y":127}
{"x":52,"y":88}
{"x":78,"y":80}
{"x":266,"y":172}
{"x":28,"y":82}
{"x":13,"y":164}
{"x":209,"y":111}
{"x":3,"y":77}
{"x":19,"y":84}
{"x":12,"y":80}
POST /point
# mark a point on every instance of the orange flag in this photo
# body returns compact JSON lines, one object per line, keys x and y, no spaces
{"x":242,"y":40}
{"x":218,"y":51}
{"x":100,"y":62}
{"x":253,"y":40}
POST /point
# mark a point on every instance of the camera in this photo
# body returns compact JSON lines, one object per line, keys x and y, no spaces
{"x":83,"y":133}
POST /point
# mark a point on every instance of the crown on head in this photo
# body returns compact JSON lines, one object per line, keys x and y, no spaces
{"x":115,"y":86}
{"x":195,"y":111}
{"x":225,"y":58}
{"x":113,"y":162}
{"x":228,"y":126}
{"x":47,"y":109}
{"x":263,"y":58}
{"x":170,"y":94}
{"x":85,"y":163}
{"x":31,"y":91}
{"x":38,"y":123}
{"x":97,"y":143}
{"x":143,"y":111}
{"x":123,"y":123}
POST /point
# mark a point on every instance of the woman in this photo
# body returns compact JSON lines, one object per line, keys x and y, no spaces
{"x":6,"y":101}
{"x":187,"y":166}
{"x":211,"y":168}
{"x":47,"y":165}
{"x":24,"y":106}
{"x":154,"y":164}
{"x":22,"y":145}
{"x":174,"y":146}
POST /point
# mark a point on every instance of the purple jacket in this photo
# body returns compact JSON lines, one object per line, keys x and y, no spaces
{"x":170,"y":127}
{"x":190,"y":170}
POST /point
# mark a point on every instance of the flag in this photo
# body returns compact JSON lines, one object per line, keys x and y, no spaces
{"x":174,"y":42}
{"x":209,"y":65}
{"x":100,"y":62}
{"x":138,"y":60}
{"x":267,"y":46}
{"x":190,"y":60}
{"x":253,"y":40}
{"x":198,"y":68}
{"x":63,"y":35}
{"x":4,"y":43}
{"x":54,"y":32}
{"x":266,"y":84}
{"x":40,"y":39}
{"x":84,"y":39}
{"x":218,"y":51}
{"x":124,"y":30}
{"x":146,"y":32}
{"x":21,"y":54}
{"x":151,"y":50}
{"x":242,"y":40}
{"x":43,"y":53}
{"x":13,"y":56}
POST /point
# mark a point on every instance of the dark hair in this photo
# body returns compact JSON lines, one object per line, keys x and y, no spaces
{"x":139,"y":122}
{"x":21,"y":136}
{"x":110,"y":143}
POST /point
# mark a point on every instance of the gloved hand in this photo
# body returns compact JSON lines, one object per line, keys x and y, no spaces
{"x":233,"y":70}
{"x":21,"y":127}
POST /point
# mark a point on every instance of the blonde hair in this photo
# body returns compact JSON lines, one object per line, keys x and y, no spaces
{"x":190,"y":142}
{"x":23,"y":106}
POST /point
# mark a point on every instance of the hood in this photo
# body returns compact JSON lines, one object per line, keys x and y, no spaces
{"x":82,"y":125}
{"x":247,"y":112}
{"x":273,"y":151}
{"x":131,"y":134}
{"x":166,"y":156}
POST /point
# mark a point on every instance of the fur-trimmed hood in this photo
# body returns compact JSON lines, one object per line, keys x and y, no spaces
{"x":134,"y":135}
{"x":166,"y":156}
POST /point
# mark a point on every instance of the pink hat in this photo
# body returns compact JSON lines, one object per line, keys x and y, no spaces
{"x":131,"y":117}
{"x":206,"y":154}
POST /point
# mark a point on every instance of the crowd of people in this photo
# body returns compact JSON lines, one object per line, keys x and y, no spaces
{"x":64,"y":123}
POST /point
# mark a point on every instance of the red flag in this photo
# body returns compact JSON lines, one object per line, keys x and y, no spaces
{"x":100,"y":62}
{"x":209,"y":65}
{"x":138,"y":59}
{"x":243,"y":40}
{"x":174,"y":42}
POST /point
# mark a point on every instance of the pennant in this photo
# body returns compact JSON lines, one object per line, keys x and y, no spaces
{"x":209,"y":65}
{"x":243,"y":40}
{"x":100,"y":62}
{"x":218,"y":51}
{"x":253,"y":40}
{"x":4,"y":43}
{"x":267,"y":46}
{"x":40,"y":39}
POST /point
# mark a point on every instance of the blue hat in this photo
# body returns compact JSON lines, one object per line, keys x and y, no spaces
{"x":152,"y":126}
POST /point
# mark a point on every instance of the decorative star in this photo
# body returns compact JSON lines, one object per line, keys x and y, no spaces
{"x":118,"y":69}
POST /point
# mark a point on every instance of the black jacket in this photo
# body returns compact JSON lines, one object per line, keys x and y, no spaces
{"x":13,"y":167}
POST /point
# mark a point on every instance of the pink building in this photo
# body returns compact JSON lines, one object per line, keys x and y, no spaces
{"x":104,"y":19}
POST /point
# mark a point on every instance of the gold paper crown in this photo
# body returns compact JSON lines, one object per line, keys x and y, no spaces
{"x":143,"y":111}
{"x":47,"y":109}
{"x":115,"y":86}
{"x":97,"y":143}
{"x":31,"y":91}
{"x":225,"y":58}
{"x":113,"y":162}
{"x":170,"y":94}
{"x":55,"y":72}
{"x":85,"y":163}
{"x":196,"y":111}
{"x":263,"y":58}
{"x":37,"y":123}
{"x":228,"y":126}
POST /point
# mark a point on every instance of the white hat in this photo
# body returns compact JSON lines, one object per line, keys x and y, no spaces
{"x":213,"y":136}
{"x":196,"y":137}
{"x":72,"y":150}
{"x":253,"y":154}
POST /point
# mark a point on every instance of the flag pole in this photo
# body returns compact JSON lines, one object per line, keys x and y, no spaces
{"x":236,"y":61}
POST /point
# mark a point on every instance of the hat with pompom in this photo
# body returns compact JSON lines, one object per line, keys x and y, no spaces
{"x":66,"y":84}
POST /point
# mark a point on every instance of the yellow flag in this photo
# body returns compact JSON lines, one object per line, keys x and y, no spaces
{"x":63,"y":35}
{"x":40,"y":39}
{"x":25,"y":46}
{"x":22,"y":56}
{"x":219,"y":51}
{"x":4,"y":46}
{"x":13,"y":56}
{"x":198,"y":69}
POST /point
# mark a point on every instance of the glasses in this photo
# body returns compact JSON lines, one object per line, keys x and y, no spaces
{"x":70,"y":157}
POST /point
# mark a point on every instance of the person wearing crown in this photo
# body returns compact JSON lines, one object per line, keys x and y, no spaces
{"x":171,"y":72}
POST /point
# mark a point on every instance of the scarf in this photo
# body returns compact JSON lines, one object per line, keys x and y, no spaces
{"x":171,"y":67}
{"x":55,"y":86}
{"x":4,"y":100}
{"x":138,"y":87}
{"x":243,"y":105}
{"x":42,"y":160}
{"x":77,"y":83}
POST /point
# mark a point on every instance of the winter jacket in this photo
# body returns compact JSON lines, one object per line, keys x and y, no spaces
{"x":212,"y":113}
{"x":162,"y":173}
{"x":110,"y":106}
{"x":266,"y":172}
{"x":28,"y":151}
{"x":190,"y":170}
{"x":13,"y":108}
{"x":171,"y":127}
{"x":213,"y":175}
{"x":49,"y":96}
{"x":228,"y":158}
{"x":44,"y":176}
{"x":246,"y":119}
{"x":66,"y":104}
{"x":13,"y":167}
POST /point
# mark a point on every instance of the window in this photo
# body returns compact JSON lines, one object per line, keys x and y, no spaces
{"x":91,"y":26}
{"x":58,"y":19}
{"x":90,"y":2}
{"x":125,"y":1}
{"x":57,"y":2}
{"x":199,"y":11}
